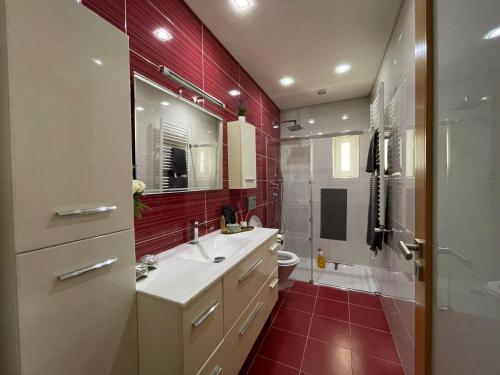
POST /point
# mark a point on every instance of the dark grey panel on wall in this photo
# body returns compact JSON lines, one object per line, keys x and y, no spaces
{"x":334,"y":214}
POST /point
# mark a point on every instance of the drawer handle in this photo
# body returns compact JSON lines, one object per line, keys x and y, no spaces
{"x":204,"y":315}
{"x":273,"y":283}
{"x":251,"y":318}
{"x":249,"y":271}
{"x":216,"y":371}
{"x":104,"y":263}
{"x":274,"y":247}
{"x":87,"y":211}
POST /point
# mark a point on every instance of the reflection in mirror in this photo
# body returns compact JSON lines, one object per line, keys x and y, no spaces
{"x":177,"y":142}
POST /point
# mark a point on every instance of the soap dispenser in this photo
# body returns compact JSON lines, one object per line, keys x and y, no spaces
{"x":321,"y":259}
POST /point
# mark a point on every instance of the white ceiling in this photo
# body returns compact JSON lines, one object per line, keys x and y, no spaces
{"x":305,"y":39}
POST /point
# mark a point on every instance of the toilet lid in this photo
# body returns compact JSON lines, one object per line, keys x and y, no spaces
{"x":255,"y":222}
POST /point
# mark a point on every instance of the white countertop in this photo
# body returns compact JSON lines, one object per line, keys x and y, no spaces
{"x":179,"y":280}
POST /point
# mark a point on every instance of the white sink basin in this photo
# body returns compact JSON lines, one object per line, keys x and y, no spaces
{"x":211,"y":249}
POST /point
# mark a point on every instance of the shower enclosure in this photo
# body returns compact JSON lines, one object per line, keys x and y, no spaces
{"x":303,"y":180}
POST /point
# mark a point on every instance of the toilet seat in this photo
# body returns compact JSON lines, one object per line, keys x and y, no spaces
{"x":286,"y":258}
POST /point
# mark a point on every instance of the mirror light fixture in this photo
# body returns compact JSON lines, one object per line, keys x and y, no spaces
{"x":190,"y":86}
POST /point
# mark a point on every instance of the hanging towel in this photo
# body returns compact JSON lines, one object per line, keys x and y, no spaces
{"x":179,"y":162}
{"x":374,"y":239}
{"x":373,"y":160}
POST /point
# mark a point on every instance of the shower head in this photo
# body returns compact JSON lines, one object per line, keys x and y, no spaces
{"x":293,"y":126}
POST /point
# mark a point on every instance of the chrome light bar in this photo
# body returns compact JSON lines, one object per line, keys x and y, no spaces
{"x":188,"y":85}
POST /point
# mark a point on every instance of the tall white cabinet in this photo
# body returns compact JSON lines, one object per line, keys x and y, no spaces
{"x":67,"y":279}
{"x":242,"y":156}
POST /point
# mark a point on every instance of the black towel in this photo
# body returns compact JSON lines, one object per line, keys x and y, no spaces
{"x":373,"y":160}
{"x":179,"y":162}
{"x":374,"y":239}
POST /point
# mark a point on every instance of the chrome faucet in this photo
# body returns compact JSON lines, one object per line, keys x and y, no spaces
{"x":196,"y":228}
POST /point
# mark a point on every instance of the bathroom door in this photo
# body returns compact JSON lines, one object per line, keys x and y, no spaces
{"x":423,"y":184}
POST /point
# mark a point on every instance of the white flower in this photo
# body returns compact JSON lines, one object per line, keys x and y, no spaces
{"x":138,"y":186}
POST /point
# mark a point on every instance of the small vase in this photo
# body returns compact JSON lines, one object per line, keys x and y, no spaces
{"x":242,"y":119}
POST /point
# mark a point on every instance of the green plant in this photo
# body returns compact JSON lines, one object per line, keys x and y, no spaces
{"x":242,"y":108}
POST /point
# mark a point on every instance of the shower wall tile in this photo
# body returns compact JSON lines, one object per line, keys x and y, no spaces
{"x":198,"y":56}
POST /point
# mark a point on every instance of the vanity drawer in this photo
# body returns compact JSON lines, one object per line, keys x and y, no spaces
{"x":231,"y":354}
{"x":242,"y":283}
{"x":202,"y":328}
{"x":84,"y":322}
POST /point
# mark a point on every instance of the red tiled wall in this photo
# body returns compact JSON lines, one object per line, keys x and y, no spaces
{"x":198,"y":56}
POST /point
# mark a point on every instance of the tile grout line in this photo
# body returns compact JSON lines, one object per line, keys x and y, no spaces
{"x":309,"y":330}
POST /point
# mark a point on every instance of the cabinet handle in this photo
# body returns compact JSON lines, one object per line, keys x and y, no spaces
{"x":204,"y":315}
{"x":274,"y":247}
{"x":96,"y":266}
{"x":216,"y":371}
{"x":87,"y":211}
{"x":273,"y":283}
{"x":249,"y":271}
{"x":251,"y":318}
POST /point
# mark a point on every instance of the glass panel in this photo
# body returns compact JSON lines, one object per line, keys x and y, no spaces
{"x":467,"y":183}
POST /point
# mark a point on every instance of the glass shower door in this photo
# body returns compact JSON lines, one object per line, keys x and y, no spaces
{"x":296,"y":207}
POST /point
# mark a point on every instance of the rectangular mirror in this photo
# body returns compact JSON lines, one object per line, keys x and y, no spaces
{"x":178,"y":144}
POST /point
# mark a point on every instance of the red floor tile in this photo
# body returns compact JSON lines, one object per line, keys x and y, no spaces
{"x":293,"y":320}
{"x":325,"y":359}
{"x":363,"y":364}
{"x":304,"y":288}
{"x":284,"y":347}
{"x":333,"y":293}
{"x":332,"y":331}
{"x":300,"y":302}
{"x":265,"y":366}
{"x":367,"y":317}
{"x":332,"y":309}
{"x":376,"y":343}
{"x":365,"y":299}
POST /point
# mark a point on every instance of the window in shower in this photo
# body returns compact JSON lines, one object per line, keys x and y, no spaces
{"x":345,"y":156}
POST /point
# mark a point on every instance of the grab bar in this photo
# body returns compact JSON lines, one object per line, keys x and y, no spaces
{"x":96,"y":266}
{"x":405,"y":250}
{"x":87,"y":211}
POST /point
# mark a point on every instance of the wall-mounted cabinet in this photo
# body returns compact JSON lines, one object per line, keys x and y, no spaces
{"x":242,"y":157}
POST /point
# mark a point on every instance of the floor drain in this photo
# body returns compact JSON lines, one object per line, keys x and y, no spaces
{"x":219,"y":259}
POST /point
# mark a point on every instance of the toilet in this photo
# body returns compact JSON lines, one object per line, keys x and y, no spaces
{"x":287,"y":261}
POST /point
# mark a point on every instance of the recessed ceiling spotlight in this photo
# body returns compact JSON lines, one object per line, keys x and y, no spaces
{"x":343,"y":68}
{"x":97,"y":61}
{"x":485,"y":98}
{"x":242,"y":4}
{"x":320,"y":133}
{"x":311,"y":121}
{"x":492,"y":34}
{"x":162,"y":34}
{"x":140,"y":109}
{"x":345,"y":116}
{"x":165,"y":103}
{"x":287,"y":81}
{"x":234,"y":92}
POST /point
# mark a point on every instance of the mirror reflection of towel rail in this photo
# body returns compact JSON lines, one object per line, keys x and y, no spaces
{"x":460,"y":257}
